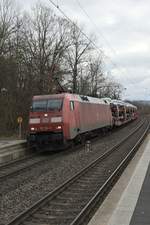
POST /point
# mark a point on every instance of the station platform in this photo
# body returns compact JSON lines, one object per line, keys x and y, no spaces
{"x":5,"y":143}
{"x":11,"y":150}
{"x":128,"y":203}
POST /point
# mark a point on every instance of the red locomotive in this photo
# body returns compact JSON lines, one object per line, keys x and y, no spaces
{"x":61,"y":119}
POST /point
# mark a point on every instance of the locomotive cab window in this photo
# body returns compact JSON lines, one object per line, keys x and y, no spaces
{"x":71,"y":105}
{"x":47,"y":105}
{"x":54,"y":104}
{"x":39,"y":105}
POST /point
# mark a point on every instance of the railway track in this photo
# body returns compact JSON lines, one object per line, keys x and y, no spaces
{"x":17,"y":166}
{"x":20,"y":165}
{"x":72,"y":202}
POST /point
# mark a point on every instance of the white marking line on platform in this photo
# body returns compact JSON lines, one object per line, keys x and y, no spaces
{"x":118,"y":207}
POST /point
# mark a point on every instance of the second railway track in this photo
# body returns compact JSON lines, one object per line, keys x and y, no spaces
{"x":17,"y":166}
{"x":71,"y":202}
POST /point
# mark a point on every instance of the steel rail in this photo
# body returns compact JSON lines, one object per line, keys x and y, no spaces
{"x":21,"y":165}
{"x":25,"y":163}
{"x":92,"y":203}
{"x":61,"y":188}
{"x":6,"y":166}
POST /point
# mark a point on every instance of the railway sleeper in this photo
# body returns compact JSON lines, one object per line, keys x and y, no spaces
{"x":82,"y":183}
{"x":33,"y":223}
{"x":76,"y":194}
{"x":75,"y":207}
{"x":72,"y":199}
{"x":58,"y":211}
{"x":83,"y":187}
{"x":77,"y":189}
{"x":40,"y":216}
{"x":59,"y":205}
{"x":48,"y":221}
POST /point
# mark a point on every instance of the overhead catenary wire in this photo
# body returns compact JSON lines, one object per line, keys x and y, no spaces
{"x":91,"y":20}
{"x":104,"y":38}
{"x":85,"y":35}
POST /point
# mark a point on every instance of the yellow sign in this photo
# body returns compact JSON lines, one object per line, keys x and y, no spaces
{"x":19,"y":119}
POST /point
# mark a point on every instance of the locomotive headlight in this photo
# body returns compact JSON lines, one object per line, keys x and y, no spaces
{"x":33,"y":128}
{"x":59,"y":127}
{"x":57,"y":119}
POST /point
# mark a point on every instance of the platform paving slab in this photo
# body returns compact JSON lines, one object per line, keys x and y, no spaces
{"x":118,"y":207}
{"x":5,"y":143}
{"x":141,"y":213}
{"x":11,"y":150}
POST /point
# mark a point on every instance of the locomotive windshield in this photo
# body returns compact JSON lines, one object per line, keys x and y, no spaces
{"x":47,"y":105}
{"x":54,"y":104}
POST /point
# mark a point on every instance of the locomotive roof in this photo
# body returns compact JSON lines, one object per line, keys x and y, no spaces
{"x":40,"y":97}
{"x":84,"y":98}
{"x":73,"y":97}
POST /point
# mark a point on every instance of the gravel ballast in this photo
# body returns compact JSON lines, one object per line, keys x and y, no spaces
{"x":21,"y":191}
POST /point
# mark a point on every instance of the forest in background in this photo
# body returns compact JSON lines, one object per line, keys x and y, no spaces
{"x":42,"y":53}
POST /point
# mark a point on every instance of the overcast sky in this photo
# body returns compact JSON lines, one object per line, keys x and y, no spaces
{"x":123,"y":33}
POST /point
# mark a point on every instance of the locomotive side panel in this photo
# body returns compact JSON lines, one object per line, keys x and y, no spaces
{"x":80,"y":117}
{"x":94,"y":116}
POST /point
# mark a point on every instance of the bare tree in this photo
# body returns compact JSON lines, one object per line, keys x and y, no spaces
{"x":39,"y":51}
{"x":111,"y":89}
{"x":77,"y":53}
{"x":96,"y":74}
{"x":46,"y":42}
{"x":8,"y":17}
